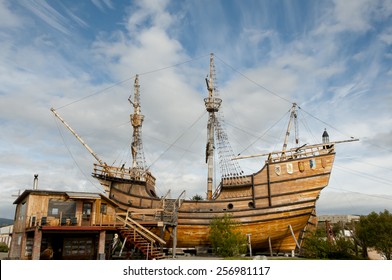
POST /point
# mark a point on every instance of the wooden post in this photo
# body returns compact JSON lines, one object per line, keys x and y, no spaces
{"x":122,"y":247}
{"x":253,"y":191}
{"x":249,"y":243}
{"x":174,"y":240}
{"x":101,"y":245}
{"x":295,"y":239}
{"x":162,"y":236}
{"x":269,"y":185}
{"x":37,"y":244}
{"x":270,"y":245}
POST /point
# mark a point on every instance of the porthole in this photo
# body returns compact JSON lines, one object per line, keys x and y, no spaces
{"x":153,"y":193}
{"x":230,"y":206}
{"x":251,"y":204}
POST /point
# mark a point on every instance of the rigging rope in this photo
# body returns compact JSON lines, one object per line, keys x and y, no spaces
{"x":176,"y":140}
{"x":261,"y":136}
{"x":370,"y":195}
{"x":277,"y":95}
{"x":253,"y":81}
{"x":73,"y":158}
{"x":131,"y":78}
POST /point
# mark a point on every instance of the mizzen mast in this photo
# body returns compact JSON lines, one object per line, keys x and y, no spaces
{"x":293,"y":117}
{"x":138,"y":159}
{"x":212,"y":104}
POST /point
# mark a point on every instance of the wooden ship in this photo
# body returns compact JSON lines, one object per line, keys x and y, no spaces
{"x":274,"y":206}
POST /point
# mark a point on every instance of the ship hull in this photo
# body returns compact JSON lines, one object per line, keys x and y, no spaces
{"x":274,"y":205}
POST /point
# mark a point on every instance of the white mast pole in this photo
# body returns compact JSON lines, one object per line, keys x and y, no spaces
{"x":212,"y":105}
{"x":78,"y":137}
{"x":293,"y":115}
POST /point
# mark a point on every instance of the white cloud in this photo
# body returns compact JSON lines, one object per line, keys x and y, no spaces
{"x":149,"y":13}
{"x":48,"y":14}
{"x":313,"y":68}
{"x":386,"y":36}
{"x":102,"y":4}
{"x":8,"y":18}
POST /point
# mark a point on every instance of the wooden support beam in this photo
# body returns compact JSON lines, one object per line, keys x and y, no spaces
{"x":269,"y":185}
{"x":174,"y":240}
{"x":122,"y":247}
{"x":270,"y":245}
{"x":295,"y":239}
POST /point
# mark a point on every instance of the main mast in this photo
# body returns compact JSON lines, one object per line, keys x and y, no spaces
{"x":212,"y":104}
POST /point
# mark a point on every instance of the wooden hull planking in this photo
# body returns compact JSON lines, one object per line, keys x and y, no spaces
{"x":266,"y":204}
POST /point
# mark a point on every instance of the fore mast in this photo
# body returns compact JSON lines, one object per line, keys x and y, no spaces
{"x":212,"y":104}
{"x":138,"y":160}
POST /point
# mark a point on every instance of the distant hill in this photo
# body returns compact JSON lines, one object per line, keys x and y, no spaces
{"x":5,"y":222}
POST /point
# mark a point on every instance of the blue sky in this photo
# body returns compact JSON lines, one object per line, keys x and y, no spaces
{"x":333,"y":58}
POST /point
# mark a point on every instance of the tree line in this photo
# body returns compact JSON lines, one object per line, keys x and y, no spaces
{"x":373,"y":231}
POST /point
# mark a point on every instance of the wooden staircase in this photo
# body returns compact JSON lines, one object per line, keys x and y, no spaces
{"x":169,"y":214}
{"x":142,"y":238}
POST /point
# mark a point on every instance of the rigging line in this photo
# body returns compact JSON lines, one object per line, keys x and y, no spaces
{"x":371,"y":195}
{"x":125,"y":80}
{"x":253,"y":81}
{"x":377,"y":145}
{"x":96,"y":93}
{"x":186,"y":150}
{"x":73,"y":158}
{"x":164,"y":142}
{"x":275,"y":94}
{"x":367,"y":176}
{"x":327,"y":124}
{"x":175,"y":141}
{"x":261,"y":136}
{"x":375,"y":165}
{"x":174,"y":65}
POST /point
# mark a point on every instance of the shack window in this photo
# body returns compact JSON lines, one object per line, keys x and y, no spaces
{"x":65,"y":208}
{"x":87,"y":206}
{"x":104,"y":208}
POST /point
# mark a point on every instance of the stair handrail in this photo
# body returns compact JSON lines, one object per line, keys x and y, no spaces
{"x":140,"y":229}
{"x":179,"y":200}
{"x":163,"y":199}
{"x":135,"y":229}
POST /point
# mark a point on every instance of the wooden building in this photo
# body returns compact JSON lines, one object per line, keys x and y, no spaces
{"x":62,"y":225}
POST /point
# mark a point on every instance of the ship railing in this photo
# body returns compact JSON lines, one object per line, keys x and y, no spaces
{"x":235,"y":180}
{"x":300,"y":152}
{"x":147,"y":214}
{"x":231,"y":181}
{"x":126,"y":173}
